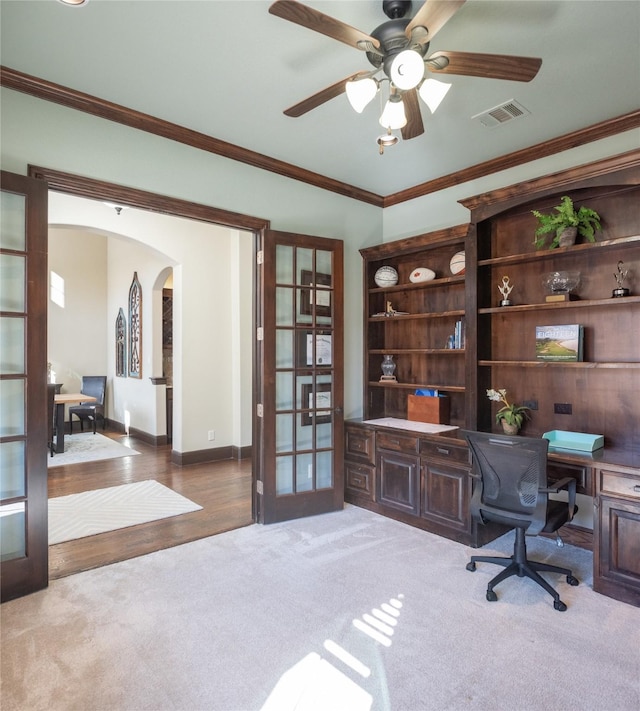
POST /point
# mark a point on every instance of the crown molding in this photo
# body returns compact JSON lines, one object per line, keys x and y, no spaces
{"x":613,"y":126}
{"x":56,"y":93}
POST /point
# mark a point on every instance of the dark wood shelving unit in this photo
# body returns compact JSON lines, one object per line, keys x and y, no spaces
{"x":602,"y":389}
{"x":423,"y":479}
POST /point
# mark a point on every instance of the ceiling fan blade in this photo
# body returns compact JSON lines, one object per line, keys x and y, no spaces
{"x":323,"y":96}
{"x":491,"y":66}
{"x":433,"y":16}
{"x":414,"y":126}
{"x":318,"y":22}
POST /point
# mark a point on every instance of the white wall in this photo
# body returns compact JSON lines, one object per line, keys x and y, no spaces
{"x":76,"y":337}
{"x":212,"y":387}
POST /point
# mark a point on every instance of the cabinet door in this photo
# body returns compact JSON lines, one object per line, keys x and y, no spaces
{"x":617,"y":564}
{"x":398,"y":481}
{"x":445,"y":495}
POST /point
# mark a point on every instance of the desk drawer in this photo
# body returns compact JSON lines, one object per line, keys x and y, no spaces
{"x":444,"y":451}
{"x":397,"y":443}
{"x":359,"y":479}
{"x":622,"y":484}
{"x":359,"y":443}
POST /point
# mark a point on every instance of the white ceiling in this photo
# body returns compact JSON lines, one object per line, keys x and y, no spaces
{"x":228,"y":69}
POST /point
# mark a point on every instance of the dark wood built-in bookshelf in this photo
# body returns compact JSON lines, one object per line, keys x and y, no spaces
{"x":422,"y":479}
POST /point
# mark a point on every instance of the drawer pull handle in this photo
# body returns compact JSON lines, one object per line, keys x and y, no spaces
{"x":441,"y":450}
{"x":637,"y":488}
{"x":395,"y":441}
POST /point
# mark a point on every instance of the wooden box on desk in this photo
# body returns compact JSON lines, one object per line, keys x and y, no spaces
{"x":425,"y":408}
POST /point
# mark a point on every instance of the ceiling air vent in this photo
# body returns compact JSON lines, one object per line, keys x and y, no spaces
{"x":498,"y":115}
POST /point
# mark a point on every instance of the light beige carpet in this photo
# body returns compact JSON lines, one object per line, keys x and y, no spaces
{"x":88,"y":447}
{"x":348,"y":611}
{"x":102,"y":510}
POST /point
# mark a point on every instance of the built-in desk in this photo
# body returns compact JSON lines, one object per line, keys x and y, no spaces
{"x":423,"y":479}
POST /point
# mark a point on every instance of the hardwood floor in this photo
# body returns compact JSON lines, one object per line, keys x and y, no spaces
{"x":223,"y":489}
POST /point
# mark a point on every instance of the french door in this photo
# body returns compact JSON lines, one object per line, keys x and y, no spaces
{"x":23,"y":377}
{"x":300,"y":366}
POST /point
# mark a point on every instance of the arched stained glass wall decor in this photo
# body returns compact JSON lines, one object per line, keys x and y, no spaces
{"x":135,"y":328}
{"x":121,"y":345}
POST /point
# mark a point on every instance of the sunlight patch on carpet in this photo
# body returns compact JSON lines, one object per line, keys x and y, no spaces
{"x":89,"y":447}
{"x":102,"y":510}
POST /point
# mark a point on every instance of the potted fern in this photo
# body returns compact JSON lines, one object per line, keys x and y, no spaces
{"x":566,"y":223}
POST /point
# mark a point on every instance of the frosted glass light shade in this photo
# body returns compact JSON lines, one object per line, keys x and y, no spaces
{"x":393,"y":116}
{"x":360,"y":92}
{"x":407,"y":69}
{"x":432,"y":92}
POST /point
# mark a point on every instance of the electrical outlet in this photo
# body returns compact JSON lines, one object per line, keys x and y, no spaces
{"x":212,"y":435}
{"x":562,"y":408}
{"x":531,"y":404}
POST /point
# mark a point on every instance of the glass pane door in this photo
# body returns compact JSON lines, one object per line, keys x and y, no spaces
{"x":23,"y":445}
{"x":302,"y":392}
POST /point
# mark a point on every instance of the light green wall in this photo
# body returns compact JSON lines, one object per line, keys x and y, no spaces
{"x":41,"y":133}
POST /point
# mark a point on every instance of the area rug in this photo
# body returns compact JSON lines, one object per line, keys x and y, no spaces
{"x":102,"y":510}
{"x":89,"y":447}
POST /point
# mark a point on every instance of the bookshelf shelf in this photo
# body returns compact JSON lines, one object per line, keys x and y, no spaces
{"x":558,"y":364}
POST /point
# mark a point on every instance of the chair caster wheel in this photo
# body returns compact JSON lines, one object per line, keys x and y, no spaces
{"x":559,"y":605}
{"x":572,"y":581}
{"x":491,"y":596}
{"x":471,"y":566}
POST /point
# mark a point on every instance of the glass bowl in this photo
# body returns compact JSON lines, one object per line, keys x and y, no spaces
{"x":561,"y":282}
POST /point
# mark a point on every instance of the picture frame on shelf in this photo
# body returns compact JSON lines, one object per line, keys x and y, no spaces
{"x":322,"y":296}
{"x":316,"y":400}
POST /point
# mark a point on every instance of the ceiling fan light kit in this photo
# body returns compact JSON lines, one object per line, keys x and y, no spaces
{"x":394,"y":116}
{"x":361,"y":92}
{"x":432,"y":92}
{"x":399,"y":48}
{"x":386,"y":140}
{"x":407,"y":69}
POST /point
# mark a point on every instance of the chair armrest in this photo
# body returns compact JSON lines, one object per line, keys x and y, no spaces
{"x":555,"y":487}
{"x":570,"y":485}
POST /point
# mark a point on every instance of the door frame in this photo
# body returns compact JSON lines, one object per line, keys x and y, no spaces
{"x":93,"y":189}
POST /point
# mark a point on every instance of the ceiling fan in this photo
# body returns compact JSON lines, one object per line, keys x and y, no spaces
{"x":397,"y":49}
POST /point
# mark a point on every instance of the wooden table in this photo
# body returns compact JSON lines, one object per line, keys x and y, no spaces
{"x":62,"y":399}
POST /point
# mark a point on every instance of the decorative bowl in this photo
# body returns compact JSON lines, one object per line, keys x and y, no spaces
{"x":561,"y":282}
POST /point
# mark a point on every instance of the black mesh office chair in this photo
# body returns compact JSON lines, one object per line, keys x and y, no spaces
{"x":510,"y":487}
{"x":94,"y":385}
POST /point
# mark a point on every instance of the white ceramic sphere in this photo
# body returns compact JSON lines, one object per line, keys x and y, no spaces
{"x":457,"y":263}
{"x":386,"y":276}
{"x":422,"y":274}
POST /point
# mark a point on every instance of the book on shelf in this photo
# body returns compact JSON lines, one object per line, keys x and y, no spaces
{"x":560,"y":343}
{"x":456,"y":339}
